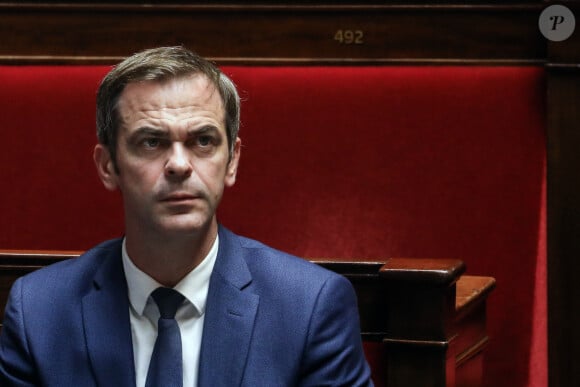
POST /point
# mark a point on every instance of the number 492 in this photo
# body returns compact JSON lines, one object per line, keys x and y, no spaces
{"x":349,"y":36}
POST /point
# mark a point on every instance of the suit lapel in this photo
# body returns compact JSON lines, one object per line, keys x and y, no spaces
{"x":107,"y":324}
{"x":229,"y":320}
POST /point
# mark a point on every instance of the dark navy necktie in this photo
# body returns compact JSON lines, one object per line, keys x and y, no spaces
{"x":166,"y":369}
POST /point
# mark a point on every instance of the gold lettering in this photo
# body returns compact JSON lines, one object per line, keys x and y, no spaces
{"x":349,"y":36}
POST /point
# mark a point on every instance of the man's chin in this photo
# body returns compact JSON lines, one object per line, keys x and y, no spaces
{"x":186,"y":225}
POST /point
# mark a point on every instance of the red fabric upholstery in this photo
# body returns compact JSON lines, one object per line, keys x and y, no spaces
{"x":345,"y":162}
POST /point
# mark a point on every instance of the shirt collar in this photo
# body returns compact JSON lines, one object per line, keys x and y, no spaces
{"x":194,"y":286}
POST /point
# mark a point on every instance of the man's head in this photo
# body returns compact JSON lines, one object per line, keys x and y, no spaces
{"x":168,"y":123}
{"x":160,"y":64}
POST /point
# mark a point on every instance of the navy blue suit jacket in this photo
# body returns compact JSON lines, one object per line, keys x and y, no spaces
{"x":271,"y":320}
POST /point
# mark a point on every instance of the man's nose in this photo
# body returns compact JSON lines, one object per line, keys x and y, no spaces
{"x":178,"y":163}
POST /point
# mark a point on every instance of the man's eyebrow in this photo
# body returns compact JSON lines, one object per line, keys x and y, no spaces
{"x":146,"y":130}
{"x":150,"y":131}
{"x":202,"y":130}
{"x":162,"y":133}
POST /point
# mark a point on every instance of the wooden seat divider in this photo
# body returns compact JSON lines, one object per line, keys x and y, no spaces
{"x":422,"y":320}
{"x":428,"y":318}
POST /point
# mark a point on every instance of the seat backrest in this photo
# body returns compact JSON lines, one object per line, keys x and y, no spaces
{"x":355,"y":163}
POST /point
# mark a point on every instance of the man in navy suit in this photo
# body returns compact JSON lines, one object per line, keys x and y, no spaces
{"x":167,"y":124}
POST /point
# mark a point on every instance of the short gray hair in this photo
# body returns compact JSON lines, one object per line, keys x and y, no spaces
{"x":160,"y":64}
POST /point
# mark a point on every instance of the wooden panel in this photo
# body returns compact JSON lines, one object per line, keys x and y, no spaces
{"x":563,"y":116}
{"x":564,"y":225}
{"x":257,"y":34}
{"x":566,"y":53}
{"x":470,"y":323}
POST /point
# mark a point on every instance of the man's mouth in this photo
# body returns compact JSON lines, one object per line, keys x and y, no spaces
{"x":179,"y":197}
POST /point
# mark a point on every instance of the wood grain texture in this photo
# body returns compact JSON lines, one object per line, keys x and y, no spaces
{"x":48,"y":33}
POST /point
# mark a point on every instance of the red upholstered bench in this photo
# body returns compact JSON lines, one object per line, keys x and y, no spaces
{"x":348,"y":163}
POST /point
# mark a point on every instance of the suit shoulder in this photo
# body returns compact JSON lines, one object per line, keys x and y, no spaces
{"x":286,"y":267}
{"x":71,"y":271}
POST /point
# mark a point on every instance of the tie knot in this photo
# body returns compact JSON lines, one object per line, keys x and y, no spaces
{"x":168,"y":301}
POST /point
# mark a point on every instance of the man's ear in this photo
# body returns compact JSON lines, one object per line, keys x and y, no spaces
{"x":232,"y":168}
{"x":105,"y":167}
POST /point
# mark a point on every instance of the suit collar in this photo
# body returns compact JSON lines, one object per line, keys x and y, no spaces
{"x":230,"y":264}
{"x":230,"y":314}
{"x":106,"y":320}
{"x":228,"y":326}
{"x":194,"y":286}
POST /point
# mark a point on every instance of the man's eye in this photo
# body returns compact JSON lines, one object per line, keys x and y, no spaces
{"x":151,"y":143}
{"x":204,"y":140}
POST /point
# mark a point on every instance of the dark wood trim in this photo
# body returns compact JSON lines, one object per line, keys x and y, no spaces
{"x":438,"y":272}
{"x":563,"y":225}
{"x":471,"y":352}
{"x":489,"y":34}
{"x":563,"y":197}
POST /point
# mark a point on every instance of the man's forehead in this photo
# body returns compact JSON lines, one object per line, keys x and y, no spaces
{"x":195,"y":91}
{"x":196,"y":85}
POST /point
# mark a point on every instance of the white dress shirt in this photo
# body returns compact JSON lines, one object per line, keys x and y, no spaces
{"x":190,"y":316}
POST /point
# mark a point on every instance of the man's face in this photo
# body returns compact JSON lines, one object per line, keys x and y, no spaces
{"x":172,"y":155}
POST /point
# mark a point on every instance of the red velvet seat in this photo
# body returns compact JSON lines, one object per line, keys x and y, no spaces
{"x":345,"y":162}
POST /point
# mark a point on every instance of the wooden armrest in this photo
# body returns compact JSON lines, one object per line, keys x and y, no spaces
{"x":470,"y":325}
{"x":423,"y":270}
{"x":33,"y":259}
{"x":472,"y":290}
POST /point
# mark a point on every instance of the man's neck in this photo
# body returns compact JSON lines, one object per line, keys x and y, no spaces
{"x":169,"y":258}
